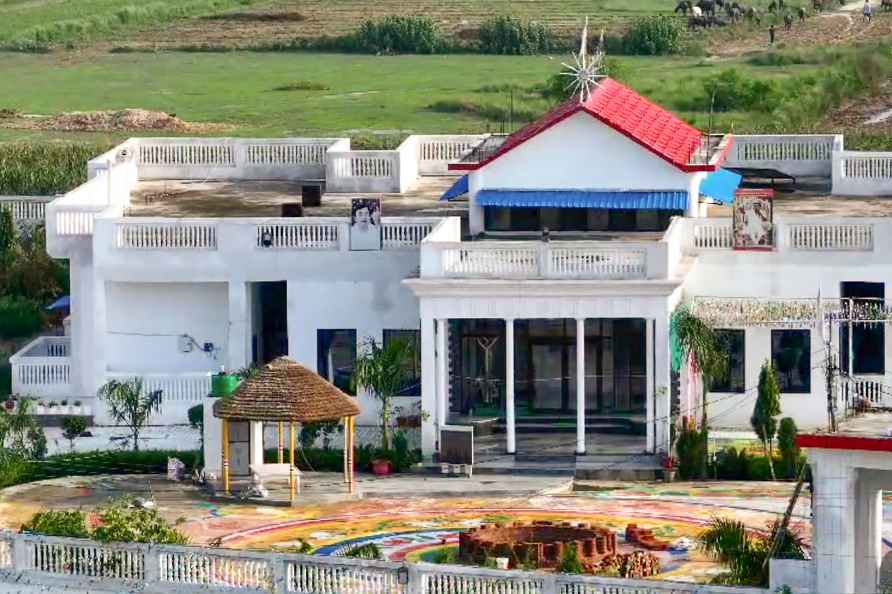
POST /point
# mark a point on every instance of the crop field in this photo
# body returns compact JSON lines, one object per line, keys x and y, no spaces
{"x":332,"y":93}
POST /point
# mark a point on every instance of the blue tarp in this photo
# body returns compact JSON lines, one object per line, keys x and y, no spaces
{"x":638,"y":200}
{"x":60,"y":303}
{"x":459,"y":188}
{"x":720,"y":185}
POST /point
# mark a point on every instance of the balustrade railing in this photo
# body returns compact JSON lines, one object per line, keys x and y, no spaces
{"x":830,"y":236}
{"x":793,"y":154}
{"x":25,"y":209}
{"x":598,"y":263}
{"x":188,"y":387}
{"x":43,"y":367}
{"x":285,"y":153}
{"x":405,"y":234}
{"x":310,"y":234}
{"x":711,"y":234}
{"x":186,"y":153}
{"x":172,"y":234}
{"x":862,"y":173}
{"x":84,"y":564}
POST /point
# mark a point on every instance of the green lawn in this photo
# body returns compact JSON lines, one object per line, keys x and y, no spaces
{"x":366,"y":93}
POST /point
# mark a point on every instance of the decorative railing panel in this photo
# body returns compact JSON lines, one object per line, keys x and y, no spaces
{"x":332,"y":578}
{"x":486,"y":261}
{"x":597,"y":263}
{"x":84,"y":559}
{"x":269,"y":153}
{"x":175,"y":387}
{"x":404,"y":234}
{"x":857,"y":237}
{"x":25,"y":209}
{"x":187,"y":153}
{"x":220,"y":571}
{"x":43,"y":367}
{"x":299,"y":235}
{"x":712,"y":235}
{"x":166,"y":235}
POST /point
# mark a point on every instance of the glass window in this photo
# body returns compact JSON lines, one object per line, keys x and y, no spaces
{"x":412,"y":387}
{"x":791,"y":356}
{"x":734,"y":342}
{"x":868,"y":339}
{"x":336,"y":356}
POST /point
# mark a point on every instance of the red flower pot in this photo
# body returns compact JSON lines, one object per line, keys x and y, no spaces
{"x":9,"y":404}
{"x":381,"y":467}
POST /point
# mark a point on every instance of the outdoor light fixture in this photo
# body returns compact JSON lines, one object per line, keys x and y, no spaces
{"x":402,"y":576}
{"x":266,"y":239}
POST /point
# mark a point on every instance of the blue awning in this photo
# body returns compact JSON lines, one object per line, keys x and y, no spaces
{"x":638,"y":200}
{"x":60,"y":303}
{"x":459,"y":188}
{"x":720,"y":185}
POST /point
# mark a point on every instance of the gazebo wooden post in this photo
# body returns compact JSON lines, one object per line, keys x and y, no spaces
{"x":281,"y":430}
{"x":352,"y":483}
{"x":225,"y":441}
{"x":346,"y":422}
{"x":292,"y":474}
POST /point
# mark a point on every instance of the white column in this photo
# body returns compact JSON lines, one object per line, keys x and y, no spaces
{"x":868,"y":533}
{"x":833,"y":534}
{"x":429,"y":433}
{"x":442,"y":384}
{"x":511,"y":439}
{"x":238,"y":335}
{"x":100,"y":335}
{"x":658,"y":405}
{"x":649,"y":360}
{"x":255,"y":451}
{"x":580,"y":385}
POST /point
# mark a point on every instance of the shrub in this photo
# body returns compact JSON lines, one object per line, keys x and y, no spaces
{"x":398,"y":35}
{"x":789,"y":451}
{"x":728,"y":466}
{"x":369,"y":551}
{"x":691,"y":449}
{"x":72,"y":523}
{"x":508,"y":35}
{"x":654,"y":36}
{"x":195,"y":415}
{"x":14,"y":468}
{"x":72,"y":428}
{"x":121,"y":523}
{"x":570,"y":562}
{"x":19,"y":317}
{"x":728,"y":90}
{"x":302,"y":85}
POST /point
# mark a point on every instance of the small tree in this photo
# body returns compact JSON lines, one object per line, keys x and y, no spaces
{"x":786,"y":443}
{"x":129,"y":406}
{"x":384,"y":371}
{"x":72,"y":428}
{"x":7,"y":235}
{"x":766,"y":408}
{"x":20,"y":433}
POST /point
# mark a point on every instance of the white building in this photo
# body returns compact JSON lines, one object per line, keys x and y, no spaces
{"x":540,"y":303}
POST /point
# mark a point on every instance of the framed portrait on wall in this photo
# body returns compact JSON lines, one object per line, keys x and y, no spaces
{"x":365,"y":224}
{"x":753,"y":220}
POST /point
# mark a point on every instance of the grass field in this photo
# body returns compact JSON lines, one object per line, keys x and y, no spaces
{"x":365,"y":93}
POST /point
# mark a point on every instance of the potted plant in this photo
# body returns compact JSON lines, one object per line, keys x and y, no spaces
{"x":668,"y":463}
{"x":41,"y":407}
{"x":9,"y":404}
{"x":76,"y":408}
{"x":381,"y":464}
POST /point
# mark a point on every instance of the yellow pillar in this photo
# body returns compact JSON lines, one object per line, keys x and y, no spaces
{"x":281,"y":429}
{"x":226,"y":456}
{"x":292,"y":475}
{"x":346,"y":422}
{"x":352,"y":483}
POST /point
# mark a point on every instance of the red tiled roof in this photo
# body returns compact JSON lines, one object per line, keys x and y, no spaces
{"x":643,"y":121}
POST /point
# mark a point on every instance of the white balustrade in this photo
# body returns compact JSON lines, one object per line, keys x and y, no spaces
{"x":25,"y":209}
{"x":793,"y":154}
{"x":306,"y":234}
{"x":221,"y":571}
{"x":436,"y":152}
{"x":862,"y":173}
{"x":84,"y":559}
{"x":186,"y":153}
{"x":597,"y":263}
{"x":43,"y":367}
{"x":711,"y":234}
{"x":353,"y":165}
{"x":404,"y":234}
{"x":170,"y":234}
{"x":84,"y":564}
{"x":285,"y":153}
{"x":189,"y":387}
{"x":830,"y":236}
{"x":491,"y":259}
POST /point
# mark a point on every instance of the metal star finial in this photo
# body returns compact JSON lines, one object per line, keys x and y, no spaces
{"x":586,"y":71}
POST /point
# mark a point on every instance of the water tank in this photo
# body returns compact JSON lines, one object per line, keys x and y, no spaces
{"x":224,"y":384}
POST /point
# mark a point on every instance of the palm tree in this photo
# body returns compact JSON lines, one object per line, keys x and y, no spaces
{"x":728,"y":542}
{"x":384,"y":371}
{"x":129,"y":406}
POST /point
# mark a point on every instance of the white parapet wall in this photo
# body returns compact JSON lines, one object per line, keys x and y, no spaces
{"x":799,"y":155}
{"x":862,"y":173}
{"x":26,"y":210}
{"x":68,"y":564}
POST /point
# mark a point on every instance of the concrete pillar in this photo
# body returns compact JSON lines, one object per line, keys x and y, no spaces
{"x":442,"y":380}
{"x":868,"y":533}
{"x":834,"y":522}
{"x":255,"y":451}
{"x":213,"y":437}
{"x":238,"y":335}
{"x":100,"y":336}
{"x":650,"y":401}
{"x":658,"y":405}
{"x":580,"y":385}
{"x":511,"y":436}
{"x":429,"y":434}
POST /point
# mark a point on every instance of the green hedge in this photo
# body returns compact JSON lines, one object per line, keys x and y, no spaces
{"x":19,"y":317}
{"x":733,"y":465}
{"x":511,"y":36}
{"x":43,"y":169}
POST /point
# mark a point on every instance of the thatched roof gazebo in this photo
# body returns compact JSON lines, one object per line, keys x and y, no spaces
{"x":284,"y":391}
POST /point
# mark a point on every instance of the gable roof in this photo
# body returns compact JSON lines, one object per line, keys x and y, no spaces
{"x":616,"y":105}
